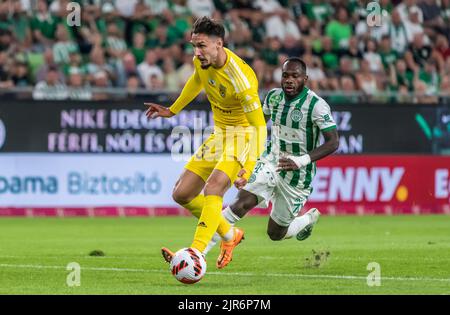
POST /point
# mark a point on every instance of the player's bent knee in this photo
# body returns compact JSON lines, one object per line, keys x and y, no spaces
{"x":275,"y":231}
{"x":275,"y":235}
{"x":181,"y":197}
{"x":215,"y":187}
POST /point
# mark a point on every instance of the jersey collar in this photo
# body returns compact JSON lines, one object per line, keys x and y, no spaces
{"x":298,"y":97}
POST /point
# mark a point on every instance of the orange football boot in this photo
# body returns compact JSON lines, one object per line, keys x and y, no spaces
{"x":167,"y":254}
{"x":226,"y":248}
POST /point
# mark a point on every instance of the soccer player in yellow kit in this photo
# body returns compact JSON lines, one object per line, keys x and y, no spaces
{"x":229,"y":154}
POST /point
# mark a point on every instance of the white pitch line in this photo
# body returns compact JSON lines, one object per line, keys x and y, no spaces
{"x":247,"y":274}
{"x":84,"y":268}
{"x":81,"y":257}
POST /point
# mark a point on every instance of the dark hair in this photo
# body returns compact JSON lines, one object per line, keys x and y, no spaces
{"x":52,"y":68}
{"x":207,"y":26}
{"x":299,"y":61}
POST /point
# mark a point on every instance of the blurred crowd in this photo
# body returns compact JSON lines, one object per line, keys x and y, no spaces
{"x":144,"y":44}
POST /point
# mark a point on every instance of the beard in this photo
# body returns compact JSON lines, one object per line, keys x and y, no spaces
{"x":295,"y":91}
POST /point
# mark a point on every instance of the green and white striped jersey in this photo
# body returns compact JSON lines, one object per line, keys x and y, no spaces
{"x":296,"y":126}
{"x":62,"y":50}
{"x":116,"y":43}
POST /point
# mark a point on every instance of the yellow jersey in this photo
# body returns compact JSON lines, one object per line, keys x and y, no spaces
{"x":232,"y":91}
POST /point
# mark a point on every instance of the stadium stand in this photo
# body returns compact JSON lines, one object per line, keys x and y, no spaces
{"x":142,"y":46}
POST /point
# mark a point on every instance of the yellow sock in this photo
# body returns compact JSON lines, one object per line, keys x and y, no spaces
{"x":195,"y":206}
{"x":208,"y":222}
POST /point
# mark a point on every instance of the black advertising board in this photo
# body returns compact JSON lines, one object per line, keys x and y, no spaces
{"x":121,"y":127}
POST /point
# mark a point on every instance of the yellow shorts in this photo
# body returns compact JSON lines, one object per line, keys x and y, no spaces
{"x":224,"y":151}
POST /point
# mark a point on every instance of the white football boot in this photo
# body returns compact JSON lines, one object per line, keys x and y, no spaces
{"x":314,"y":215}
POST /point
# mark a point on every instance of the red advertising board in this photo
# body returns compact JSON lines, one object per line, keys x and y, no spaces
{"x":385,"y":184}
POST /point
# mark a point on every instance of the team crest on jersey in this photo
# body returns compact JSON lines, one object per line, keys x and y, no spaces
{"x":274,"y":99}
{"x":296,"y":115}
{"x":222,"y":90}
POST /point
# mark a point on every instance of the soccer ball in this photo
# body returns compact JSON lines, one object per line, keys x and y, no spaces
{"x":188,"y":265}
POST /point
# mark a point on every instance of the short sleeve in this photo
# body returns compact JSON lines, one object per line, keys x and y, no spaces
{"x":266,"y":107}
{"x":249,"y":100}
{"x":322,"y":117}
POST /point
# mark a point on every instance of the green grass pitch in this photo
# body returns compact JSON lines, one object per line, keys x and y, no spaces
{"x":413,"y":253}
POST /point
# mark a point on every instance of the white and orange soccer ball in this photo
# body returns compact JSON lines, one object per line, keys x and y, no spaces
{"x":188,"y":265}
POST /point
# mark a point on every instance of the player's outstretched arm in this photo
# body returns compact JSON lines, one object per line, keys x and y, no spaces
{"x":155,"y":111}
{"x":190,"y":91}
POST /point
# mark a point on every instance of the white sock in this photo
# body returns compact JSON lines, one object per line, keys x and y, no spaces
{"x":297,"y":225}
{"x":230,"y":216}
{"x":216,"y":238}
{"x":229,"y":235}
{"x":232,"y":219}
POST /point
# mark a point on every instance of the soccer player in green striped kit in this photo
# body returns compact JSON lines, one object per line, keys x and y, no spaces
{"x":284,"y":172}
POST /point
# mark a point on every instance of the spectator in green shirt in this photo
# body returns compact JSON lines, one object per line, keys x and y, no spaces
{"x":339,"y":30}
{"x":109,"y":15}
{"x":43,"y":24}
{"x":63,"y":46}
{"x":429,"y":75}
{"x":114,"y":43}
{"x":329,"y":57}
{"x":318,"y":10}
{"x":388,"y":55}
{"x":138,"y":49}
{"x":161,"y":37}
{"x":18,"y":22}
{"x":177,"y":26}
{"x":400,"y":76}
{"x":258,"y":29}
{"x":270,"y":53}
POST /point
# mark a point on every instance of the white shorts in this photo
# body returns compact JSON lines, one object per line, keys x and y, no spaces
{"x":268,"y":185}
